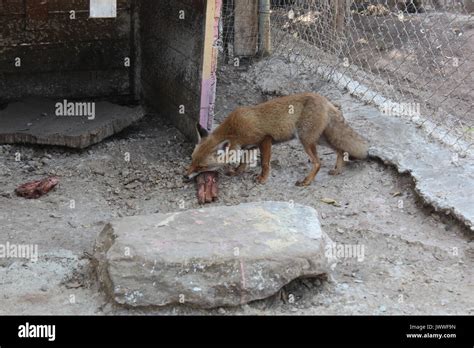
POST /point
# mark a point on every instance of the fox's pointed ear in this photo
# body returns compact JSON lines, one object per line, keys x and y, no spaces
{"x":201,"y":132}
{"x":223,"y":145}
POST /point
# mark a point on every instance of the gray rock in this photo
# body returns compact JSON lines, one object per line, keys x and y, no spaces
{"x":212,"y":257}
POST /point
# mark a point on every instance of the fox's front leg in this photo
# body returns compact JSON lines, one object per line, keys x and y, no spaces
{"x":313,"y":155}
{"x":265,"y":152}
{"x":232,"y":171}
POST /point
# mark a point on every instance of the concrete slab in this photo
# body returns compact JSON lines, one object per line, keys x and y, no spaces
{"x":211,"y":257}
{"x":442,"y":178}
{"x":45,"y":121}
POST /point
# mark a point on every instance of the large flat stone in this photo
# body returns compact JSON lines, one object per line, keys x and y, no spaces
{"x":217,"y":256}
{"x":34,"y":121}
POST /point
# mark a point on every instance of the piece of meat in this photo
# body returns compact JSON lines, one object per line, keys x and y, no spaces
{"x":201,"y":188}
{"x":38,"y":188}
{"x":214,"y":187}
{"x":207,"y":188}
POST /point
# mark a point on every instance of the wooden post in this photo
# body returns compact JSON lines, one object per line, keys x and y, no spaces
{"x":340,"y":12}
{"x":209,"y":65}
{"x":245,"y":27}
{"x":469,"y":5}
{"x":264,"y":41}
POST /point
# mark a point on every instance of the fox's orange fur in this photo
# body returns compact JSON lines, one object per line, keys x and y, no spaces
{"x":309,"y":116}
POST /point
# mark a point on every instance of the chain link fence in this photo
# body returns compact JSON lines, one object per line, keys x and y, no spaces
{"x":412,"y":59}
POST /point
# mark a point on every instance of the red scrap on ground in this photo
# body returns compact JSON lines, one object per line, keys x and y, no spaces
{"x":38,"y":188}
{"x":207,"y":189}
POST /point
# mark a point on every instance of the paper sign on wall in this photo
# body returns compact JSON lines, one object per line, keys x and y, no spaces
{"x":103,"y":8}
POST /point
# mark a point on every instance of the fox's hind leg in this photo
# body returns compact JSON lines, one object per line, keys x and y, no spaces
{"x":266,"y":153}
{"x":313,"y":155}
{"x":339,"y":164}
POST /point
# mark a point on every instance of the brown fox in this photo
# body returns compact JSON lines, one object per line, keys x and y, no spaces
{"x":308,"y":116}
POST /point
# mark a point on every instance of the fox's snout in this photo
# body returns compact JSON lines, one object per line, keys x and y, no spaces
{"x":189,"y":177}
{"x":190,"y":173}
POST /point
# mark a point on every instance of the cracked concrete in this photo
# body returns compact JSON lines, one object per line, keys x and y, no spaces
{"x":442,"y":178}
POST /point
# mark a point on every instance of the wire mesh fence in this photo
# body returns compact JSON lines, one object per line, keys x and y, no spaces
{"x":411,"y":59}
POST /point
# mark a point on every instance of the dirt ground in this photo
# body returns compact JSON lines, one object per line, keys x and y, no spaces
{"x":416,"y":261}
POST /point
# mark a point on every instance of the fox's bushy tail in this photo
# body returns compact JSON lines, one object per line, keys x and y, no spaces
{"x":341,"y":136}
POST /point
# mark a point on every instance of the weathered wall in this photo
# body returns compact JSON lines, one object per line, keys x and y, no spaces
{"x":84,"y":57}
{"x":61,"y":56}
{"x":171,"y":51}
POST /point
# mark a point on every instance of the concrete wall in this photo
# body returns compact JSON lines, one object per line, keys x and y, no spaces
{"x":171,"y":52}
{"x":61,"y":56}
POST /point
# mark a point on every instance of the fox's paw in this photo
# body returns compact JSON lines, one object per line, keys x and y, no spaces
{"x":261,"y":179}
{"x":335,"y":172}
{"x":303,"y":183}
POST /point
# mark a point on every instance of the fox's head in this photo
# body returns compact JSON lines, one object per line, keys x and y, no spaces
{"x":205,"y":156}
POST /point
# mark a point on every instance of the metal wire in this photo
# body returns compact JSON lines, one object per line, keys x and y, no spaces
{"x":417,"y":55}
